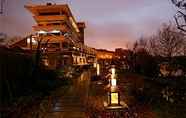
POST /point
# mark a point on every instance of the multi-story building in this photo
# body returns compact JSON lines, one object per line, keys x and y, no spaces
{"x":103,"y":54}
{"x":58,"y":35}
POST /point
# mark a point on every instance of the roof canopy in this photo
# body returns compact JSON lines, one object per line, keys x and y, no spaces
{"x":36,"y":9}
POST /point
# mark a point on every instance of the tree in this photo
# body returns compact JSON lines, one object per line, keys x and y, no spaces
{"x":142,"y":43}
{"x":153,"y":46}
{"x":180,"y":16}
{"x":142,"y":62}
{"x":38,"y":55}
{"x":170,"y":41}
{"x":167,"y":42}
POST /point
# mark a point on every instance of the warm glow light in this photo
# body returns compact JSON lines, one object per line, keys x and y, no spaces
{"x":41,"y":32}
{"x":95,"y":65}
{"x":45,"y":62}
{"x":98,"y":69}
{"x":113,"y":88}
{"x":28,"y":40}
{"x":34,"y":41}
{"x":113,"y":82}
{"x":55,"y":31}
{"x":113,"y":73}
{"x":74,"y":24}
{"x":114,"y":98}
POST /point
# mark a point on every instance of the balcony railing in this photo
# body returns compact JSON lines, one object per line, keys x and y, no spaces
{"x":62,"y":27}
{"x":51,"y":18}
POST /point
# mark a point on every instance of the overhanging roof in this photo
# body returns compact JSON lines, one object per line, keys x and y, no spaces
{"x":36,"y":9}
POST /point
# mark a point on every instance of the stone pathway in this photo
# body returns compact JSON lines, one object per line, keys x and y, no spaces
{"x":70,"y":104}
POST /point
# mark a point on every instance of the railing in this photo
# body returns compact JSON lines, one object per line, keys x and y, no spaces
{"x":53,"y":49}
{"x":51,"y":18}
{"x":62,"y":27}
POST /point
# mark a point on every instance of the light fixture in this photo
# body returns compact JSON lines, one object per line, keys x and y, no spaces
{"x":98,"y":70}
{"x":113,"y":71}
{"x":34,"y":41}
{"x":28,"y":40}
{"x":55,"y":31}
{"x":113,"y":82}
{"x":114,"y":98}
{"x":41,"y":32}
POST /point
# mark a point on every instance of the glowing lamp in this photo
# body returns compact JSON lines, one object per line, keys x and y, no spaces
{"x":34,"y":41}
{"x":28,"y":40}
{"x":98,"y":70}
{"x":55,"y":31}
{"x":42,"y":32}
{"x":113,"y":71}
{"x":113,"y":82}
{"x":114,"y":98}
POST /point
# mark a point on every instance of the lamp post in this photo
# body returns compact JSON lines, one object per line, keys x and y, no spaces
{"x":113,"y":94}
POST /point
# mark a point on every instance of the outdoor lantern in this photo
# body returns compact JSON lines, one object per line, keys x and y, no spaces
{"x":113,"y":77}
{"x":113,"y":71}
{"x":114,"y":98}
{"x":113,"y":82}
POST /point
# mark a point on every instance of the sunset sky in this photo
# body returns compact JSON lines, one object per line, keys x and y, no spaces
{"x":110,"y":23}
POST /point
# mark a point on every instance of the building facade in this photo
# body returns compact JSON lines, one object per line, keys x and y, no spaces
{"x":103,"y":54}
{"x":59,"y":37}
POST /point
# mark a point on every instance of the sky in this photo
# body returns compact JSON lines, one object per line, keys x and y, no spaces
{"x":110,"y":24}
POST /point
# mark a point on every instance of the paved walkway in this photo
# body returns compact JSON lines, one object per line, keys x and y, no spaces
{"x":70,"y":104}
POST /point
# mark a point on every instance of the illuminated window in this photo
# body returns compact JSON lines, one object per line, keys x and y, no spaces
{"x":33,"y":41}
{"x":28,"y":40}
{"x":114,"y":98}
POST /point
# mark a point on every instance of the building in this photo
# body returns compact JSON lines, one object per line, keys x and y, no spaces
{"x":121,"y":53}
{"x":102,"y":54}
{"x":58,"y":35}
{"x":122,"y":57}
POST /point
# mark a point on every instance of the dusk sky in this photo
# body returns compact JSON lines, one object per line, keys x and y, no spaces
{"x":110,"y":23}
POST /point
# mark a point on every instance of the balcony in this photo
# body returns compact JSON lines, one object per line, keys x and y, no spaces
{"x":53,"y":39}
{"x":51,"y":18}
{"x":51,"y":50}
{"x":51,"y":27}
